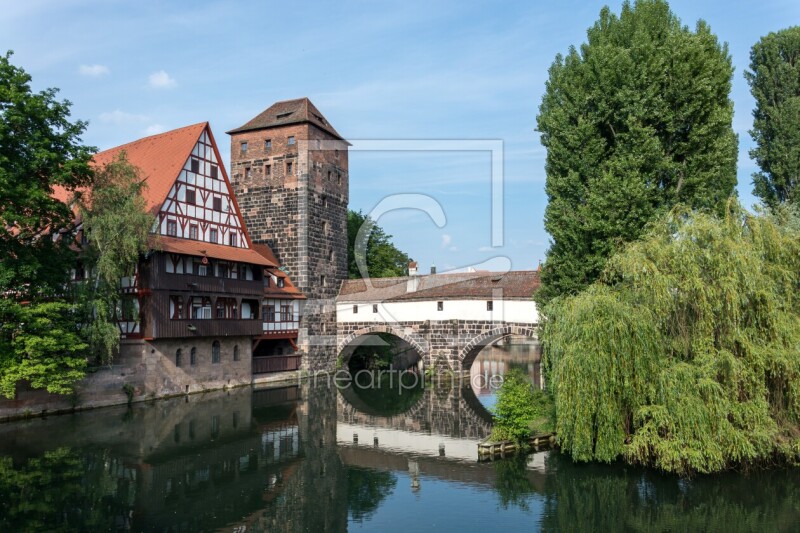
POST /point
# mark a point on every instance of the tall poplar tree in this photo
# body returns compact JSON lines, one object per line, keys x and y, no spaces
{"x":774,"y":79}
{"x":634,"y":121}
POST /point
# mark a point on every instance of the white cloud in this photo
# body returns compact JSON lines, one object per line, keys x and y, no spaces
{"x":446,"y":240}
{"x":162,"y":80}
{"x":122,"y":117}
{"x":154,"y":129}
{"x":94,"y":70}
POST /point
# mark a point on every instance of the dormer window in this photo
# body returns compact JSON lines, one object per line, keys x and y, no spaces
{"x":281,"y":283}
{"x":291,"y":140}
{"x":283,"y":115}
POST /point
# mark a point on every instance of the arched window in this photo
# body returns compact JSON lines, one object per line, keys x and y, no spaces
{"x":193,"y":356}
{"x":215,"y":352}
{"x":236,"y":353}
{"x":178,"y":357}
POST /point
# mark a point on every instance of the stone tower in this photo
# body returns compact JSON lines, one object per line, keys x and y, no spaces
{"x":289,"y":171}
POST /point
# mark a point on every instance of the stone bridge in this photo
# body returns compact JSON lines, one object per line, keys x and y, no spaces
{"x":445,"y":318}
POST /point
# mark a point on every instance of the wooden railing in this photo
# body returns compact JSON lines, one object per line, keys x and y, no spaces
{"x":275,"y":363}
{"x":207,"y":328}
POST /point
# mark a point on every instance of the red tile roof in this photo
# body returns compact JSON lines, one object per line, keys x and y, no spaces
{"x":207,"y":249}
{"x":272,"y":291}
{"x":520,"y":284}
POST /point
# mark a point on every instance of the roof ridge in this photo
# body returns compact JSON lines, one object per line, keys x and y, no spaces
{"x":121,"y":146}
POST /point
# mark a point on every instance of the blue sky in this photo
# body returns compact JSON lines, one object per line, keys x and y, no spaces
{"x":377,"y":70}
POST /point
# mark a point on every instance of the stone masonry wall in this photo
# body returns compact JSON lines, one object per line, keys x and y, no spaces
{"x":302,"y":215}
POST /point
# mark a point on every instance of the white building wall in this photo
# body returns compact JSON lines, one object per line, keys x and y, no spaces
{"x":417,"y":311}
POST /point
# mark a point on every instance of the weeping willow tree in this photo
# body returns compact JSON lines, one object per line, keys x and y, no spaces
{"x":685,"y":355}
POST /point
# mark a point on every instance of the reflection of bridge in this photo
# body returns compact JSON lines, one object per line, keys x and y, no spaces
{"x":445,"y":422}
{"x":446,"y":318}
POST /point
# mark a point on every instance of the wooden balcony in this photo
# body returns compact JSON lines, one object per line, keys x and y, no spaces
{"x":206,"y":284}
{"x":205,"y":328}
{"x":276,"y":363}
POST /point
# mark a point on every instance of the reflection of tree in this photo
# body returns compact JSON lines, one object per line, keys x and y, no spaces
{"x":366,"y":489}
{"x":513,"y":486}
{"x":613,"y":498}
{"x":59,"y":491}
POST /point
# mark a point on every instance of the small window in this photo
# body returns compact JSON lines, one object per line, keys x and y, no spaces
{"x":232,"y":239}
{"x":212,"y":235}
{"x":268,"y":144}
{"x":440,"y":306}
{"x":268,"y":170}
{"x":339,"y":178}
{"x":178,"y":357}
{"x":191,"y":196}
{"x":355,"y":309}
{"x":336,"y":154}
{"x":172,"y":228}
{"x":329,"y":175}
{"x":193,"y":231}
{"x":281,"y":283}
{"x":489,"y":305}
{"x":193,"y":356}
{"x":331,"y":255}
{"x":247,"y":173}
{"x":215,"y":352}
{"x":289,"y":168}
{"x":218,"y":200}
{"x":324,"y":201}
{"x":322,"y":281}
{"x":244,"y":147}
{"x":325,"y":227}
{"x":236,"y":352}
{"x":374,"y":308}
{"x":214,"y":172}
{"x":291,"y":140}
{"x":195,"y":165}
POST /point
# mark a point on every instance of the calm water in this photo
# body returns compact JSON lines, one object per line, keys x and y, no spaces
{"x":310,"y":458}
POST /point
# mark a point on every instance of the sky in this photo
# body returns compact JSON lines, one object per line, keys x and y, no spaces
{"x":450,"y":90}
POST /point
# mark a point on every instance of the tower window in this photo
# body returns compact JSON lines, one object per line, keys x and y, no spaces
{"x":325,"y":227}
{"x":195,"y":165}
{"x":291,"y":140}
{"x":288,"y":167}
{"x":247,"y":173}
{"x":235,"y":358}
{"x":244,"y":147}
{"x":191,"y":196}
{"x":330,"y":255}
{"x":339,"y":178}
{"x":324,"y":201}
{"x":329,"y":175}
{"x":322,"y":281}
{"x":336,"y":154}
{"x":268,"y":170}
{"x":268,"y":144}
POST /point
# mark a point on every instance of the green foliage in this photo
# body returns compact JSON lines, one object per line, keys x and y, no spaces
{"x":686,"y":354}
{"x":39,"y":150}
{"x":41,"y":343}
{"x":520,"y":410}
{"x":774,"y":79}
{"x":513,"y":486}
{"x":636,"y":120}
{"x":366,"y":490}
{"x":373,"y":249}
{"x":117,"y":226}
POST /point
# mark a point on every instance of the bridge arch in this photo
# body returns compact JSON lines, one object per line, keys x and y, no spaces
{"x":415,"y":341}
{"x":470,"y":351}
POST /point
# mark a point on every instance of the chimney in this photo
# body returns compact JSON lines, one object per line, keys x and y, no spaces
{"x":412,"y":284}
{"x":412,"y":269}
{"x":433,"y":269}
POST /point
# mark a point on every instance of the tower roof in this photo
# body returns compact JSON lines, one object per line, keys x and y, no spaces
{"x":286,"y":112}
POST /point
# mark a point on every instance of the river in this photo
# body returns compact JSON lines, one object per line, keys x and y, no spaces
{"x":311,"y":457}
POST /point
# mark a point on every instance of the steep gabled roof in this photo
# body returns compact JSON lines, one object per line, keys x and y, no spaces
{"x":286,"y":112}
{"x":160,"y":158}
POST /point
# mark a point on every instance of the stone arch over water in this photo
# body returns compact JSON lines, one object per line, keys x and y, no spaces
{"x":471,"y":350}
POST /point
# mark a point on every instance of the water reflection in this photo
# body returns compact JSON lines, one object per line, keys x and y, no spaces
{"x":288,"y":460}
{"x":495,"y":360}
